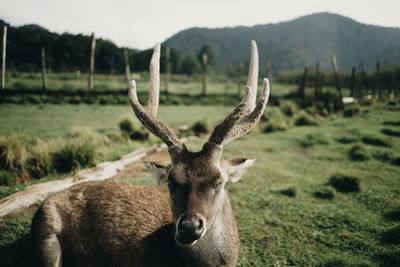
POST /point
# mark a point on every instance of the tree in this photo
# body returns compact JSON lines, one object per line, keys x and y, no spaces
{"x":189,"y":65}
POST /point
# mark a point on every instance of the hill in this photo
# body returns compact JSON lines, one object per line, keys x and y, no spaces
{"x":297,"y":43}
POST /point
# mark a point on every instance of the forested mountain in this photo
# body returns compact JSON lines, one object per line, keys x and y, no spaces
{"x":289,"y":45}
{"x":297,"y":43}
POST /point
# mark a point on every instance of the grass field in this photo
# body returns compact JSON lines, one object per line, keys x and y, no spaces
{"x":288,"y":212}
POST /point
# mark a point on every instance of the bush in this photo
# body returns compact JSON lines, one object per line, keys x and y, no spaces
{"x":304,"y":119}
{"x":348,"y":139}
{"x":314,"y":139}
{"x":126,"y":126}
{"x":359,"y":153}
{"x":351,"y":110}
{"x":41,"y":162}
{"x":375,"y":141}
{"x":391,"y":132}
{"x":140,"y":135}
{"x":74,"y":154}
{"x":324,"y":193}
{"x":201,"y":127}
{"x":274,"y":126}
{"x":7,"y":178}
{"x":345,"y":183}
{"x":288,"y":108}
{"x":13,"y":152}
{"x":290,"y":192}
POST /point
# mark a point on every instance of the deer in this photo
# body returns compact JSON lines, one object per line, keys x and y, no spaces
{"x":189,"y":222}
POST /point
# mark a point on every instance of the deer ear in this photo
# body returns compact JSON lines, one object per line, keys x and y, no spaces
{"x":235,"y":168}
{"x":160,"y":170}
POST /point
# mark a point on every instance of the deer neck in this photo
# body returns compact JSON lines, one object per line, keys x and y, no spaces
{"x":220,"y":245}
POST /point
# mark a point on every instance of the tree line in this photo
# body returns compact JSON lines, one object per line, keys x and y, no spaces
{"x":70,"y":53}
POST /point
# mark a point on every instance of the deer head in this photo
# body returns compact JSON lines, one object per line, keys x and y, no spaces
{"x":196,"y":180}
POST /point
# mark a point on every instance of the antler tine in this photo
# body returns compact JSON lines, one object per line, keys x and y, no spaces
{"x":154,"y":89}
{"x":248,"y":112}
{"x":152,"y":123}
{"x":252,"y":79}
{"x":251,"y":119}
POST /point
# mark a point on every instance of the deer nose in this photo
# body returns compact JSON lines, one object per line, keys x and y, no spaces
{"x":189,"y":229}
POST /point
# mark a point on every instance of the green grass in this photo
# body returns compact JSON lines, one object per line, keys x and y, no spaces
{"x":349,"y":229}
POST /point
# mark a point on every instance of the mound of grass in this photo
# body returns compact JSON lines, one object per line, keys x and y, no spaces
{"x":393,"y":215}
{"x":392,"y":236}
{"x":304,"y":119}
{"x":396,"y":161}
{"x":201,"y":127}
{"x":290,"y":192}
{"x":383,"y":155}
{"x":391,"y":132}
{"x":375,"y":141}
{"x":126,"y":126}
{"x":7,"y":178}
{"x":351,"y":110}
{"x":324,"y":193}
{"x":40,"y":163}
{"x":275,"y":126}
{"x":345,"y":183}
{"x":348,"y":139}
{"x":74,"y":155}
{"x":13,"y":152}
{"x":314,"y":139}
{"x":391,"y":123}
{"x":359,"y":153}
{"x":288,"y":108}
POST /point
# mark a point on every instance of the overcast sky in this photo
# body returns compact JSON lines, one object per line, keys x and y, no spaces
{"x":140,"y":24}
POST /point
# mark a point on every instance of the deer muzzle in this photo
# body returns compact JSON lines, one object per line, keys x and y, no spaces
{"x":189,"y":229}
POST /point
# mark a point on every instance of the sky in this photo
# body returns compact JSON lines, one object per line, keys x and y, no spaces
{"x":141,"y":24}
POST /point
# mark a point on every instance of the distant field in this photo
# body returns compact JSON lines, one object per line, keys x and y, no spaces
{"x":287,"y":212}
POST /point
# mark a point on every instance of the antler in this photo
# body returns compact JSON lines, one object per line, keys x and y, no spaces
{"x":248,"y":112}
{"x":148,"y":117}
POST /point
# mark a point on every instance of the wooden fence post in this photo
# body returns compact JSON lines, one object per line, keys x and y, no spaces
{"x":127,"y":69}
{"x":240,"y":79}
{"x":353,"y":82}
{"x":167,"y":67}
{"x":337,"y":80}
{"x":43,"y":54}
{"x":3,"y":59}
{"x":91,"y":61}
{"x":316,"y":82}
{"x":204,"y":76}
{"x":268,"y":70}
{"x":303,"y":83}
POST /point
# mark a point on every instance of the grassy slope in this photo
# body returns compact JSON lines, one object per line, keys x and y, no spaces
{"x":277,"y":230}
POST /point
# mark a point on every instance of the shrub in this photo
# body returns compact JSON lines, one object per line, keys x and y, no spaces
{"x":288,"y":108}
{"x":359,"y":153}
{"x":41,"y":162}
{"x":290,"y":192}
{"x":13,"y":152}
{"x":304,"y":119}
{"x":324,"y":193}
{"x":375,"y":141}
{"x":351,"y":110}
{"x":88,"y":135}
{"x":140,"y":134}
{"x":392,"y":236}
{"x":391,"y":132}
{"x":201,"y":127}
{"x":74,"y":154}
{"x":7,"y":178}
{"x":396,"y":161}
{"x":274,"y":126}
{"x":348,"y":139}
{"x":314,"y":139}
{"x":126,"y":126}
{"x":345,"y":183}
